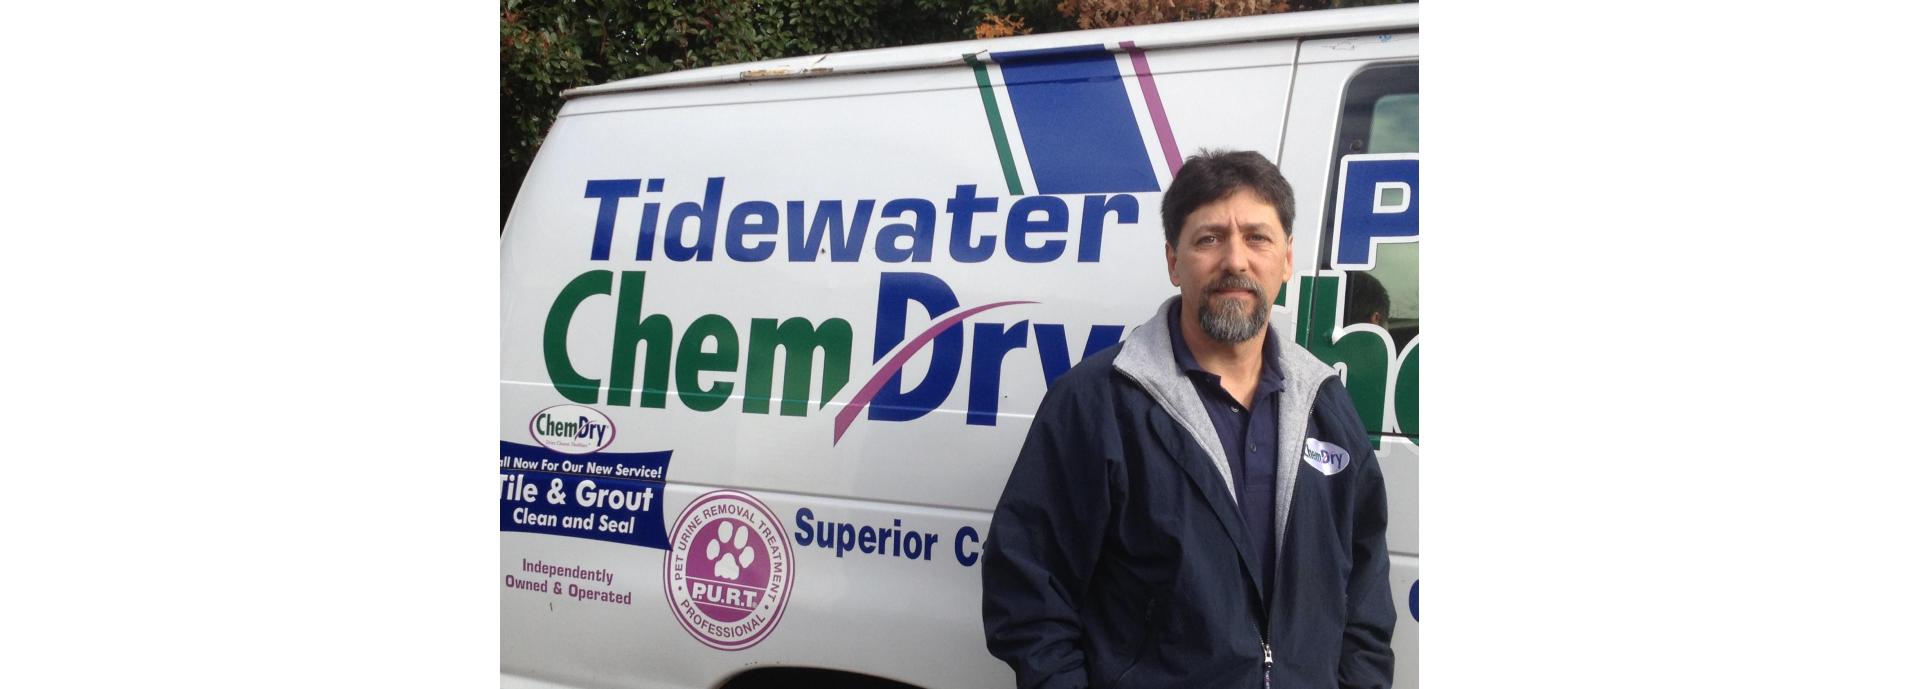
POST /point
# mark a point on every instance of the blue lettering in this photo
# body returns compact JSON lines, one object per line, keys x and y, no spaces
{"x":1019,"y":223}
{"x":737,"y":229}
{"x":609,"y":192}
{"x":846,"y":244}
{"x":648,"y":226}
{"x":921,"y":231}
{"x":1092,"y":222}
{"x":842,"y":538}
{"x":825,"y":535}
{"x":990,"y":343}
{"x":1378,"y":204}
{"x":845,"y":540}
{"x":804,"y":518}
{"x":963,"y":204}
{"x":896,"y":290}
{"x":966,"y":533}
{"x":708,"y":216}
{"x":830,"y":232}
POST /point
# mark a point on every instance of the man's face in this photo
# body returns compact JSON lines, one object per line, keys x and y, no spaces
{"x":1230,"y":261}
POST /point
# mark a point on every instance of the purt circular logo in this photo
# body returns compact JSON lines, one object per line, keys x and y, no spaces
{"x":730,"y":570}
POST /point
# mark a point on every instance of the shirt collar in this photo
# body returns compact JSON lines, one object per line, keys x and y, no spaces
{"x":1271,"y":377}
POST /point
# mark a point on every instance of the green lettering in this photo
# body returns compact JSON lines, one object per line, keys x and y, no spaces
{"x":1366,"y":355}
{"x":1405,"y":395}
{"x":559,"y":366}
{"x":693,"y":358}
{"x":797,"y":335}
{"x":628,"y":331}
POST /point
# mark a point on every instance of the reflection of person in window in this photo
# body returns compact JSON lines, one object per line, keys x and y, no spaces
{"x":1366,"y":300}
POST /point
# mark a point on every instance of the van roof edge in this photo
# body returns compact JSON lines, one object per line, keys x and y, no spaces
{"x":1179,"y":34}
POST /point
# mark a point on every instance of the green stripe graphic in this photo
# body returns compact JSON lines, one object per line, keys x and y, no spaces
{"x":998,"y":126}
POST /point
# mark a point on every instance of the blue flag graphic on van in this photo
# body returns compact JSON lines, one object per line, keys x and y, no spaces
{"x":1080,"y":132}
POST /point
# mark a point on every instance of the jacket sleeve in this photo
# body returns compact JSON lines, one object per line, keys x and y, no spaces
{"x":1044,"y":542}
{"x":1366,"y":659}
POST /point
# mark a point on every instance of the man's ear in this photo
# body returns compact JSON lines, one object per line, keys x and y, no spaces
{"x":1172,"y":265}
{"x":1285,"y":260}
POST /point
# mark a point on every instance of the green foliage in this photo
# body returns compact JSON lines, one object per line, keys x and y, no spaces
{"x":548,"y":46}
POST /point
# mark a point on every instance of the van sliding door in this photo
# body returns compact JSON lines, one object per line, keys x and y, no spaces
{"x":1351,"y":154}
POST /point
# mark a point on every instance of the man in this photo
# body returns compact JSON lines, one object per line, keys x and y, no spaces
{"x":1198,"y":506}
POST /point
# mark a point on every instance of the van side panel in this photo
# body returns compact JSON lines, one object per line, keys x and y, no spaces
{"x":824,"y":310}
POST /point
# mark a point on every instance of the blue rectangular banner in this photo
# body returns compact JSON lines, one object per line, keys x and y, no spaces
{"x":605,"y":496}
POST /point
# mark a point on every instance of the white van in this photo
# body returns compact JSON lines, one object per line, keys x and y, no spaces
{"x":772,"y":333}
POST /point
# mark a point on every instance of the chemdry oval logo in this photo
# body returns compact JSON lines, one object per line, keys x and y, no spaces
{"x":730,"y":570}
{"x":572,"y":429}
{"x":1329,"y":459}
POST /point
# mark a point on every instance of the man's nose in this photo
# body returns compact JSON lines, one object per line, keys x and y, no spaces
{"x":1237,"y":255}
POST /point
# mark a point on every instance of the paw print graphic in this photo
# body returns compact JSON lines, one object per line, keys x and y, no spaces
{"x":728,"y":567}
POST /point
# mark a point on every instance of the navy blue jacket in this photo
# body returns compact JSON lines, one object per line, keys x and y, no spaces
{"x":1117,"y":556}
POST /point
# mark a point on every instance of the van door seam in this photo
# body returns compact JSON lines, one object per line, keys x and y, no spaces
{"x":1291,"y":85}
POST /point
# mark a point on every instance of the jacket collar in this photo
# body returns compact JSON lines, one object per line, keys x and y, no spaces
{"x":1147,"y":359}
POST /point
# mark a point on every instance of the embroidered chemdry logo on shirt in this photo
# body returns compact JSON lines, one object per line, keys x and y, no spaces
{"x":1329,"y":459}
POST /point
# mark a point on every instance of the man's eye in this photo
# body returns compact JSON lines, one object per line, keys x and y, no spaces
{"x":1206,"y":241}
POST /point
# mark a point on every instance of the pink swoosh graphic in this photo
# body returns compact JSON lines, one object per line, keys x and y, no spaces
{"x":846,"y":416}
{"x":1152,"y":105}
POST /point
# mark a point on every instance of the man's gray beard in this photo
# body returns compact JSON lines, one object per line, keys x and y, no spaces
{"x":1229,"y":326}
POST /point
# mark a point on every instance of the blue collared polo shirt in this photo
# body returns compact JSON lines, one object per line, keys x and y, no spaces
{"x":1250,"y":437}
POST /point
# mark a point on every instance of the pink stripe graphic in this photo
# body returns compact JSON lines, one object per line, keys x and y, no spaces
{"x":1152,"y":105}
{"x":851,"y":412}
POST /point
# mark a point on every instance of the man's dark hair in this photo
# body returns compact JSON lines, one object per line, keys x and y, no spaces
{"x":1365,"y":296}
{"x":1212,"y":175}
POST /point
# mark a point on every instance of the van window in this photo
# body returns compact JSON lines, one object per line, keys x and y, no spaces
{"x":1391,"y":126}
{"x":1395,"y":123}
{"x":1379,"y":278}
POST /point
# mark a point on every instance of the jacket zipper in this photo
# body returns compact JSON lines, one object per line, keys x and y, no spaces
{"x":1265,"y":641}
{"x":1268,"y":662}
